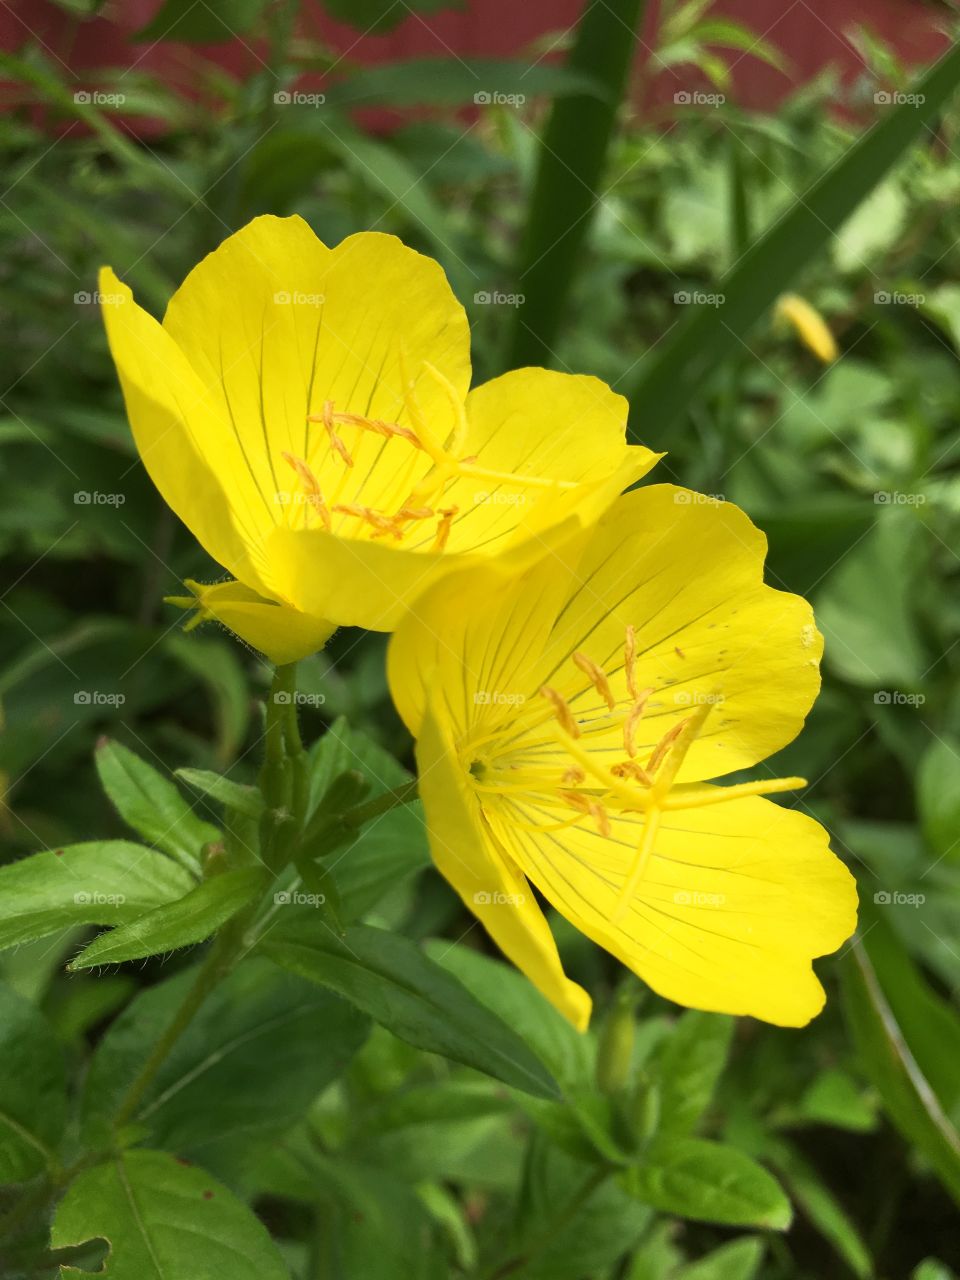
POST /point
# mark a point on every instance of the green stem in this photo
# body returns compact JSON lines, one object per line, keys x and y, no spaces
{"x":572,"y":161}
{"x":221,"y":957}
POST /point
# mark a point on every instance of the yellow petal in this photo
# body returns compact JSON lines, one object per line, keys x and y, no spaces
{"x":277,"y":630}
{"x":736,"y":901}
{"x":809,"y":326}
{"x":276,"y":324}
{"x":489,"y":883}
{"x":187,"y":447}
{"x":551,"y":457}
{"x":687,"y":574}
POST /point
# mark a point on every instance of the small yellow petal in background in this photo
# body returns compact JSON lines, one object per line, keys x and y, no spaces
{"x":281,"y":632}
{"x":809,"y":325}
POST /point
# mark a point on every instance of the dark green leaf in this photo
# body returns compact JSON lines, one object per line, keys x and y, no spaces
{"x":219,"y":1083}
{"x":33,"y":1089}
{"x":164,"y":1219}
{"x":391,"y":979}
{"x":203,"y":22}
{"x":688,"y":1065}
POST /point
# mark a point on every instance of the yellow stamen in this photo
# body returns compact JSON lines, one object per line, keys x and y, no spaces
{"x":336,"y":443}
{"x":311,"y":487}
{"x":443,"y":528}
{"x":630,"y":769}
{"x":629,"y":659}
{"x":561,"y":710}
{"x":659,"y":752}
{"x":597,"y":676}
{"x":632,"y":720}
{"x":574,"y":774}
{"x":383,"y":524}
{"x":458,"y":435}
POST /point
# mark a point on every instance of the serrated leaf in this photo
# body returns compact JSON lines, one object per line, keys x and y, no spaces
{"x":152,"y":805}
{"x":390,"y":978}
{"x":164,"y":1220}
{"x":233,"y":795}
{"x":178,"y":924}
{"x":107,"y":882}
{"x":33,"y":1089}
{"x":709,"y":1182}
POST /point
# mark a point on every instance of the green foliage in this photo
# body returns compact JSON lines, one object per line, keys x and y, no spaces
{"x":286,"y":994}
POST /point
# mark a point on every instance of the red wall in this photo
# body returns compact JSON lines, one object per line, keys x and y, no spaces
{"x":809,"y":32}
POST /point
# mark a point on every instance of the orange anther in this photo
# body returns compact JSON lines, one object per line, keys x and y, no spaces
{"x":597,"y":676}
{"x":562,"y":711}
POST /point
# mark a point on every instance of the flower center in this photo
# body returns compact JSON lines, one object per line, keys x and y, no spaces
{"x":424,"y":503}
{"x":571,"y":766}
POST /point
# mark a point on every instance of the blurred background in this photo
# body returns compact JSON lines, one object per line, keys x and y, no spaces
{"x":140,"y":135}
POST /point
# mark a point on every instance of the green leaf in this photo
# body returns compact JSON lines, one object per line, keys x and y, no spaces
{"x":692,"y":1178}
{"x":233,"y":795}
{"x":33,"y":1089}
{"x":166,"y":1220}
{"x":680,"y":368}
{"x":209,"y":22}
{"x":570,"y":171}
{"x":178,"y":924}
{"x":218,"y":1086}
{"x":738,"y":1260}
{"x":109,"y":882}
{"x":888,"y":1057}
{"x":938,"y":798}
{"x":517,"y":1002}
{"x":152,"y":805}
{"x":821,"y":1206}
{"x":687,"y":1067}
{"x":390,"y":978}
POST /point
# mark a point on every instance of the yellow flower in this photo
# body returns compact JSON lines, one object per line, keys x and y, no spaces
{"x":305,"y":412}
{"x":567,"y":725}
{"x":809,"y":325}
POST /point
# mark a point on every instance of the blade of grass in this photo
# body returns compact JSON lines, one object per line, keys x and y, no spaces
{"x":679,"y":370}
{"x":572,"y":158}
